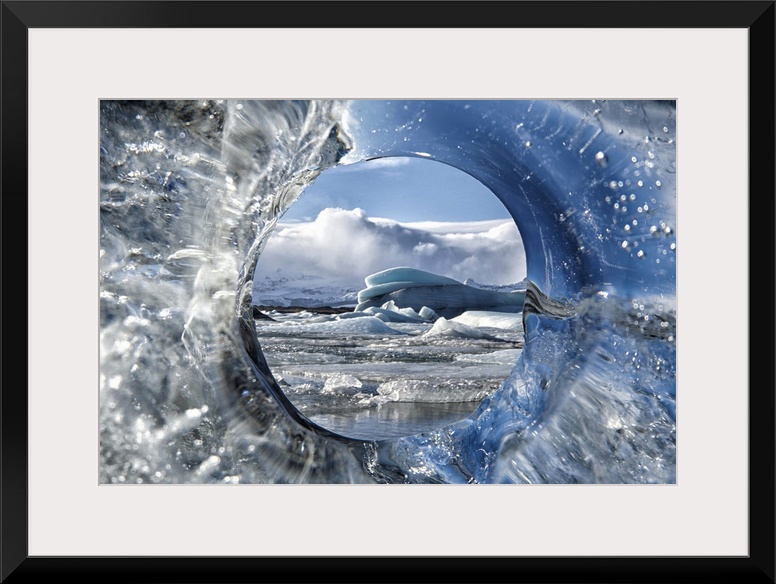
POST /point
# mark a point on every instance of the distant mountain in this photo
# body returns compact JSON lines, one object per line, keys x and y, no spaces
{"x":303,"y":290}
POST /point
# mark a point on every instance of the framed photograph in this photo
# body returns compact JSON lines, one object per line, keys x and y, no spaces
{"x":308,"y":301}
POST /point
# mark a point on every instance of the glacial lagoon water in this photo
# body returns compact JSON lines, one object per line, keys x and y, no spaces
{"x":373,"y":380}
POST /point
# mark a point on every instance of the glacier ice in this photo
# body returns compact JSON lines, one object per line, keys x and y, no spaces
{"x":491,"y":319}
{"x":414,"y":276}
{"x":444,"y":326}
{"x":428,"y":314}
{"x":412,"y":288}
{"x":365,"y":325}
{"x":387,"y":315}
{"x":502,"y":357}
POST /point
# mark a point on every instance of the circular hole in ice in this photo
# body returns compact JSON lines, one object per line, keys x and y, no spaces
{"x":387,"y":300}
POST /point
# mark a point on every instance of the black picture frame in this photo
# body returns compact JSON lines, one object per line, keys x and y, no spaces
{"x":757,"y":17}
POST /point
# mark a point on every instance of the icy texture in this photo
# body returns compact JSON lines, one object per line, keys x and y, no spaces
{"x":449,"y":327}
{"x":366,"y":325}
{"x":405,"y":311}
{"x":448,"y":300}
{"x":340,"y":381}
{"x":407,"y":390}
{"x":190,"y":191}
{"x":428,"y":314}
{"x":503,"y":357}
{"x":482,"y":318}
{"x":383,"y":386}
{"x":408,"y":276}
{"x":387,"y":315}
{"x":410,"y":288}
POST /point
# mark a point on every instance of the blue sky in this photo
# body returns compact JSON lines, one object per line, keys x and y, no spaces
{"x":399,"y":188}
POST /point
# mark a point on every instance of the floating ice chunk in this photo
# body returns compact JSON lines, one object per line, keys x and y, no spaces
{"x":428,"y":314}
{"x":491,"y":319}
{"x":383,"y":289}
{"x":391,"y":305}
{"x":390,"y":315}
{"x":429,"y":391}
{"x":366,"y":325}
{"x":444,"y":326}
{"x":347,"y":315}
{"x":504,"y":357}
{"x":341,"y":381}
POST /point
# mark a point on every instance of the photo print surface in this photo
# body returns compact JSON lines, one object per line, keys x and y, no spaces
{"x":369,"y":291}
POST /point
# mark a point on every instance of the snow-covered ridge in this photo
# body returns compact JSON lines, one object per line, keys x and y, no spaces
{"x":302,"y":290}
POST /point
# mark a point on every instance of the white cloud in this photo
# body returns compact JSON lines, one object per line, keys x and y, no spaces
{"x":342,"y":247}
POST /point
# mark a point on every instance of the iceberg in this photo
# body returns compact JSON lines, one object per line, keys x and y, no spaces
{"x":498,"y":320}
{"x":341,"y":382}
{"x":413,"y":276}
{"x":366,"y":325}
{"x":387,"y":315}
{"x":451,"y":328}
{"x":412,"y":288}
{"x":428,"y":314}
{"x":389,"y":312}
{"x":502,"y":357}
